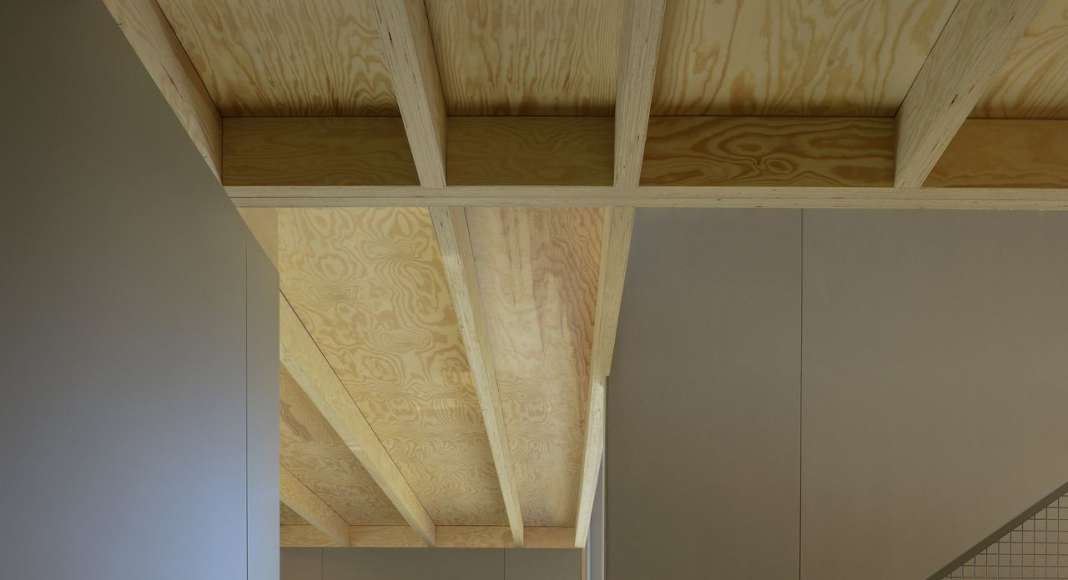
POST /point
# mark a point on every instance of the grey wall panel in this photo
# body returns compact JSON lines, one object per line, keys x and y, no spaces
{"x":122,"y":348}
{"x":702,"y":451}
{"x":302,"y":564}
{"x":409,"y":564}
{"x":934,"y":383}
{"x":262,"y":400}
{"x":543,"y":564}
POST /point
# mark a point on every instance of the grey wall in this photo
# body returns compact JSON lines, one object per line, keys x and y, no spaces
{"x":936,"y":383}
{"x":429,"y":564}
{"x":133,"y":430}
{"x":702,"y":448}
{"x":833,"y":394}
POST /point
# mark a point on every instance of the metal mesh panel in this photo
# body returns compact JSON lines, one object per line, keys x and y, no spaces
{"x":1036,"y":548}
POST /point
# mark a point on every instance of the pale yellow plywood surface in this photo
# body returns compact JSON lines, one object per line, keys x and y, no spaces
{"x":312,"y":451}
{"x":526,"y":57}
{"x":537,"y":271}
{"x":370,"y":287}
{"x":281,"y":58}
{"x":1033,"y":84}
{"x":288,"y":517}
{"x":793,"y":57}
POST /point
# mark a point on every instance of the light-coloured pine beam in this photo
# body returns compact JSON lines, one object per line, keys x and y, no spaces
{"x":458,"y":257}
{"x":309,"y":506}
{"x":972,"y":48}
{"x":642,"y":26}
{"x":615,"y":249}
{"x":304,"y":536}
{"x":154,"y":42}
{"x":310,"y":369}
{"x":409,"y":52}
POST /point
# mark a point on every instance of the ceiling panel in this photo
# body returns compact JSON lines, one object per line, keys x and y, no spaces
{"x":370,"y":286}
{"x":537,"y":271}
{"x":793,"y":57}
{"x":285,"y":58}
{"x":527,"y":57}
{"x":1033,"y":84}
{"x":312,"y":451}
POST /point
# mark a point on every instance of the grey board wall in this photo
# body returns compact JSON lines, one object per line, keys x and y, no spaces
{"x":137,"y":366}
{"x":702,"y":449}
{"x":430,"y":564}
{"x":866,"y":403}
{"x":936,"y":383}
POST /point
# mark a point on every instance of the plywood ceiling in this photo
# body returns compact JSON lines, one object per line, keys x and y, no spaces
{"x":527,"y":57}
{"x":313,"y":452}
{"x":793,"y":57}
{"x":537,"y":270}
{"x":1033,"y":84}
{"x":369,"y":286}
{"x":282,"y":58}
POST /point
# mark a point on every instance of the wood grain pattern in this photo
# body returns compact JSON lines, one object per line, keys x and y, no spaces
{"x":316,"y":151}
{"x":303,"y":536}
{"x":793,"y":57}
{"x":1005,"y":153}
{"x":316,"y":455}
{"x":151,"y":36}
{"x":281,"y":58}
{"x":973,"y":46}
{"x":457,"y":256}
{"x":1032,"y":83}
{"x":537,"y":271}
{"x":370,"y":287}
{"x":722,"y":196}
{"x":458,"y":537}
{"x":616,"y":230}
{"x":410,"y":53}
{"x":643,"y":24}
{"x":778,"y":151}
{"x":288,"y":517}
{"x":530,"y":151}
{"x":526,"y":57}
{"x":303,"y":359}
{"x":309,"y":506}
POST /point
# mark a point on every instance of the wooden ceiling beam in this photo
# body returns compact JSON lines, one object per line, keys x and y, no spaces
{"x":643,"y":23}
{"x":309,"y":506}
{"x":309,"y":368}
{"x":459,"y":261}
{"x":642,"y":26}
{"x":165,"y":59}
{"x":475,"y":537}
{"x":971,"y":50}
{"x":409,"y":52}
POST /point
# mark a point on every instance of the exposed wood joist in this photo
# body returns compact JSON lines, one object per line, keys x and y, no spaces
{"x":615,"y":250}
{"x":316,"y":151}
{"x":409,"y":52}
{"x":770,"y":162}
{"x":971,"y":50}
{"x":458,"y":258}
{"x":978,"y":198}
{"x":154,"y":41}
{"x":530,"y":151}
{"x":769,"y":151}
{"x":643,"y":21}
{"x":309,"y":506}
{"x":1005,"y":153}
{"x":304,"y":536}
{"x":643,"y":25}
{"x":310,"y":369}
